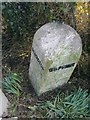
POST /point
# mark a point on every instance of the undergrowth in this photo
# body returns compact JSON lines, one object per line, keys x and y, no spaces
{"x":11,"y":84}
{"x":75,"y":105}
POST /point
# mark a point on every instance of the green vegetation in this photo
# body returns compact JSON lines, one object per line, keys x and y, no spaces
{"x":11,"y":84}
{"x":75,"y":105}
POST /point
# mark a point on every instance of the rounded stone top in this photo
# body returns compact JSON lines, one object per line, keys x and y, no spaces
{"x":54,"y":36}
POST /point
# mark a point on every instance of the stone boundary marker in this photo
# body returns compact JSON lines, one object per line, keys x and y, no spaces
{"x":55,"y":52}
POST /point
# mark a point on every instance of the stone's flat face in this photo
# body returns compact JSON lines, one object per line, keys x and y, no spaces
{"x":55,"y":52}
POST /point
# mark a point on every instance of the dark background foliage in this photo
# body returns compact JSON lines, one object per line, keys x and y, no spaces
{"x":24,"y":18}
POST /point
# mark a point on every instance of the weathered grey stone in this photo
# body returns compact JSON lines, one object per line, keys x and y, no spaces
{"x":4,"y":103}
{"x":55,"y":52}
